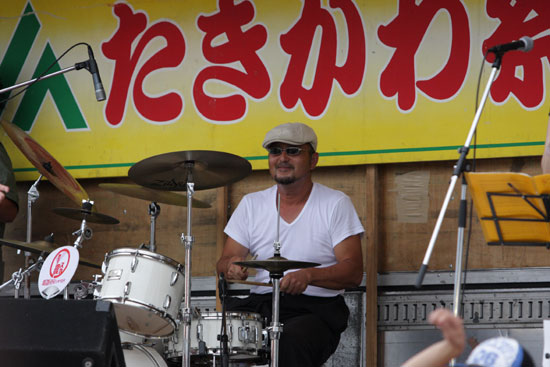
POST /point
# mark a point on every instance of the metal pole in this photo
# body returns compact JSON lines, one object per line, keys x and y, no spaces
{"x":154,"y":211}
{"x":276,"y":327}
{"x":188,"y":242}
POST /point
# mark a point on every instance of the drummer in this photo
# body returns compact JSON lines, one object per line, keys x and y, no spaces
{"x":318,"y":224}
{"x":8,"y":197}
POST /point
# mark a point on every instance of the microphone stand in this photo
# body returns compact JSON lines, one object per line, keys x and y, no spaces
{"x":458,"y":170}
{"x":223,"y":335}
{"x":77,"y":66}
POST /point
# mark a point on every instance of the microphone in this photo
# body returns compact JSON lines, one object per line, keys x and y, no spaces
{"x":98,"y":86}
{"x":524,"y":44}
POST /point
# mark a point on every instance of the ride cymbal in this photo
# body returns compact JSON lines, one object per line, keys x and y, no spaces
{"x":206,"y":169}
{"x":45,"y":163}
{"x":39,"y":247}
{"x":80,"y":214}
{"x":276,"y":264}
{"x":144,"y":193}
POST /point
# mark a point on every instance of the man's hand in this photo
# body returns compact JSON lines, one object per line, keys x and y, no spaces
{"x":3,"y":191}
{"x":8,"y":209}
{"x":295,"y":282}
{"x":236,"y":271}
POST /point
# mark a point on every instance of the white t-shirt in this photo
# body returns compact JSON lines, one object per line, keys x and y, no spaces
{"x":327,"y":218}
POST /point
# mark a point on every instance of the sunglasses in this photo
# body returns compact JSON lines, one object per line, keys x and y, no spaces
{"x":290,"y":151}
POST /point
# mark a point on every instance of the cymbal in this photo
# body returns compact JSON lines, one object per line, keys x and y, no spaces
{"x":38,"y":247}
{"x":45,"y":163}
{"x":170,"y":171}
{"x":276,"y":264}
{"x":140,"y":192}
{"x":80,"y":214}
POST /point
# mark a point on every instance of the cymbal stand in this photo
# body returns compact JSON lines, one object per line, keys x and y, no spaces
{"x":19,"y":276}
{"x":187,"y":241}
{"x":32,"y":196}
{"x":154,"y":211}
{"x":276,"y":328}
{"x":85,"y":232}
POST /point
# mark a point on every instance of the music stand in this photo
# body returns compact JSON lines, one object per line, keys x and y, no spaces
{"x":513,"y":208}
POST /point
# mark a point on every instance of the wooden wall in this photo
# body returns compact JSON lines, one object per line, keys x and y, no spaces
{"x":408,"y":199}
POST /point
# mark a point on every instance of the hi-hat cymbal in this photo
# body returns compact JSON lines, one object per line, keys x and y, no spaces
{"x":80,"y":214}
{"x":206,"y":169}
{"x":276,"y":264}
{"x":45,"y":163}
{"x":39,"y":247}
{"x":144,"y":193}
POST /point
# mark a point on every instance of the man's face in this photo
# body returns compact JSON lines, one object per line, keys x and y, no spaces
{"x":288,"y":166}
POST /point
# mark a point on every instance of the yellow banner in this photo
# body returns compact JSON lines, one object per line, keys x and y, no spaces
{"x":379,"y":81}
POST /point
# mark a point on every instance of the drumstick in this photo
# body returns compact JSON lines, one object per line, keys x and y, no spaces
{"x":245,"y":268}
{"x":249,"y":282}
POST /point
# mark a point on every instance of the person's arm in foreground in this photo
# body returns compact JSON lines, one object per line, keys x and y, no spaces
{"x":440,"y":354}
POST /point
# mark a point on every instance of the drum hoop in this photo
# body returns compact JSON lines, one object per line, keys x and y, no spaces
{"x":251,"y":352}
{"x":146,"y":254}
{"x":144,"y":350}
{"x":214,"y":315}
{"x":146,"y":307}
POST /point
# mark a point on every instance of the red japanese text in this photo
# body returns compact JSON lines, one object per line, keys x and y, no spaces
{"x":133,"y":27}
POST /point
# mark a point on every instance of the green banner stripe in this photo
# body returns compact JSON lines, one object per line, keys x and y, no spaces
{"x":20,"y":46}
{"x":327,"y":154}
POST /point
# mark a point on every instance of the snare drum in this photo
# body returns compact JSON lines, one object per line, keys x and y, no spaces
{"x":136,"y":355}
{"x":146,"y":289}
{"x":244,"y":334}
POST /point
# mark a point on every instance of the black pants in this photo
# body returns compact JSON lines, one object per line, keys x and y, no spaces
{"x":311,"y":325}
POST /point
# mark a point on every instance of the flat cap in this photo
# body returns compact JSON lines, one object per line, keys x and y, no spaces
{"x":295,"y":133}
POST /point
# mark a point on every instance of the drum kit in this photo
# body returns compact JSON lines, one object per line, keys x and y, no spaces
{"x":150,"y":292}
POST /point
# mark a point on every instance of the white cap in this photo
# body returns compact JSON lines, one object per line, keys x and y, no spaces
{"x":497,"y":352}
{"x":294,"y":133}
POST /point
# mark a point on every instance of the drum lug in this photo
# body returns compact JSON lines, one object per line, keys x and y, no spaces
{"x":105,"y":264}
{"x":174,"y":279}
{"x":127,"y":288}
{"x":167,"y":302}
{"x":134,"y":264}
{"x":199,"y":332}
{"x":246,"y":336}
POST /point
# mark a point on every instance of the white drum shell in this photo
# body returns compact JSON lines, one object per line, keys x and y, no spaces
{"x":136,"y":355}
{"x":146,"y":289}
{"x":244,"y":331}
{"x":127,"y":338}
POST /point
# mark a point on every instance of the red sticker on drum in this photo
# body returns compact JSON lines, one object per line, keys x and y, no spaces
{"x":60,"y":263}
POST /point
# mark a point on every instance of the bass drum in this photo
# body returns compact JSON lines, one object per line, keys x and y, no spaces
{"x":127,"y":338}
{"x":136,"y":355}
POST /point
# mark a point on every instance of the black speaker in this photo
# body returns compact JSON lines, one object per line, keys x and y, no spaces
{"x":76,"y":333}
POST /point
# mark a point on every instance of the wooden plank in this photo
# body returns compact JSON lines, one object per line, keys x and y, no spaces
{"x":371,"y":265}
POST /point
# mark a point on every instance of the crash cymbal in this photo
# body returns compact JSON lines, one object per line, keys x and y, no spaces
{"x":140,"y":192}
{"x":170,"y":171}
{"x":45,"y":163}
{"x":276,"y":264}
{"x":39,"y":247}
{"x":80,"y":214}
